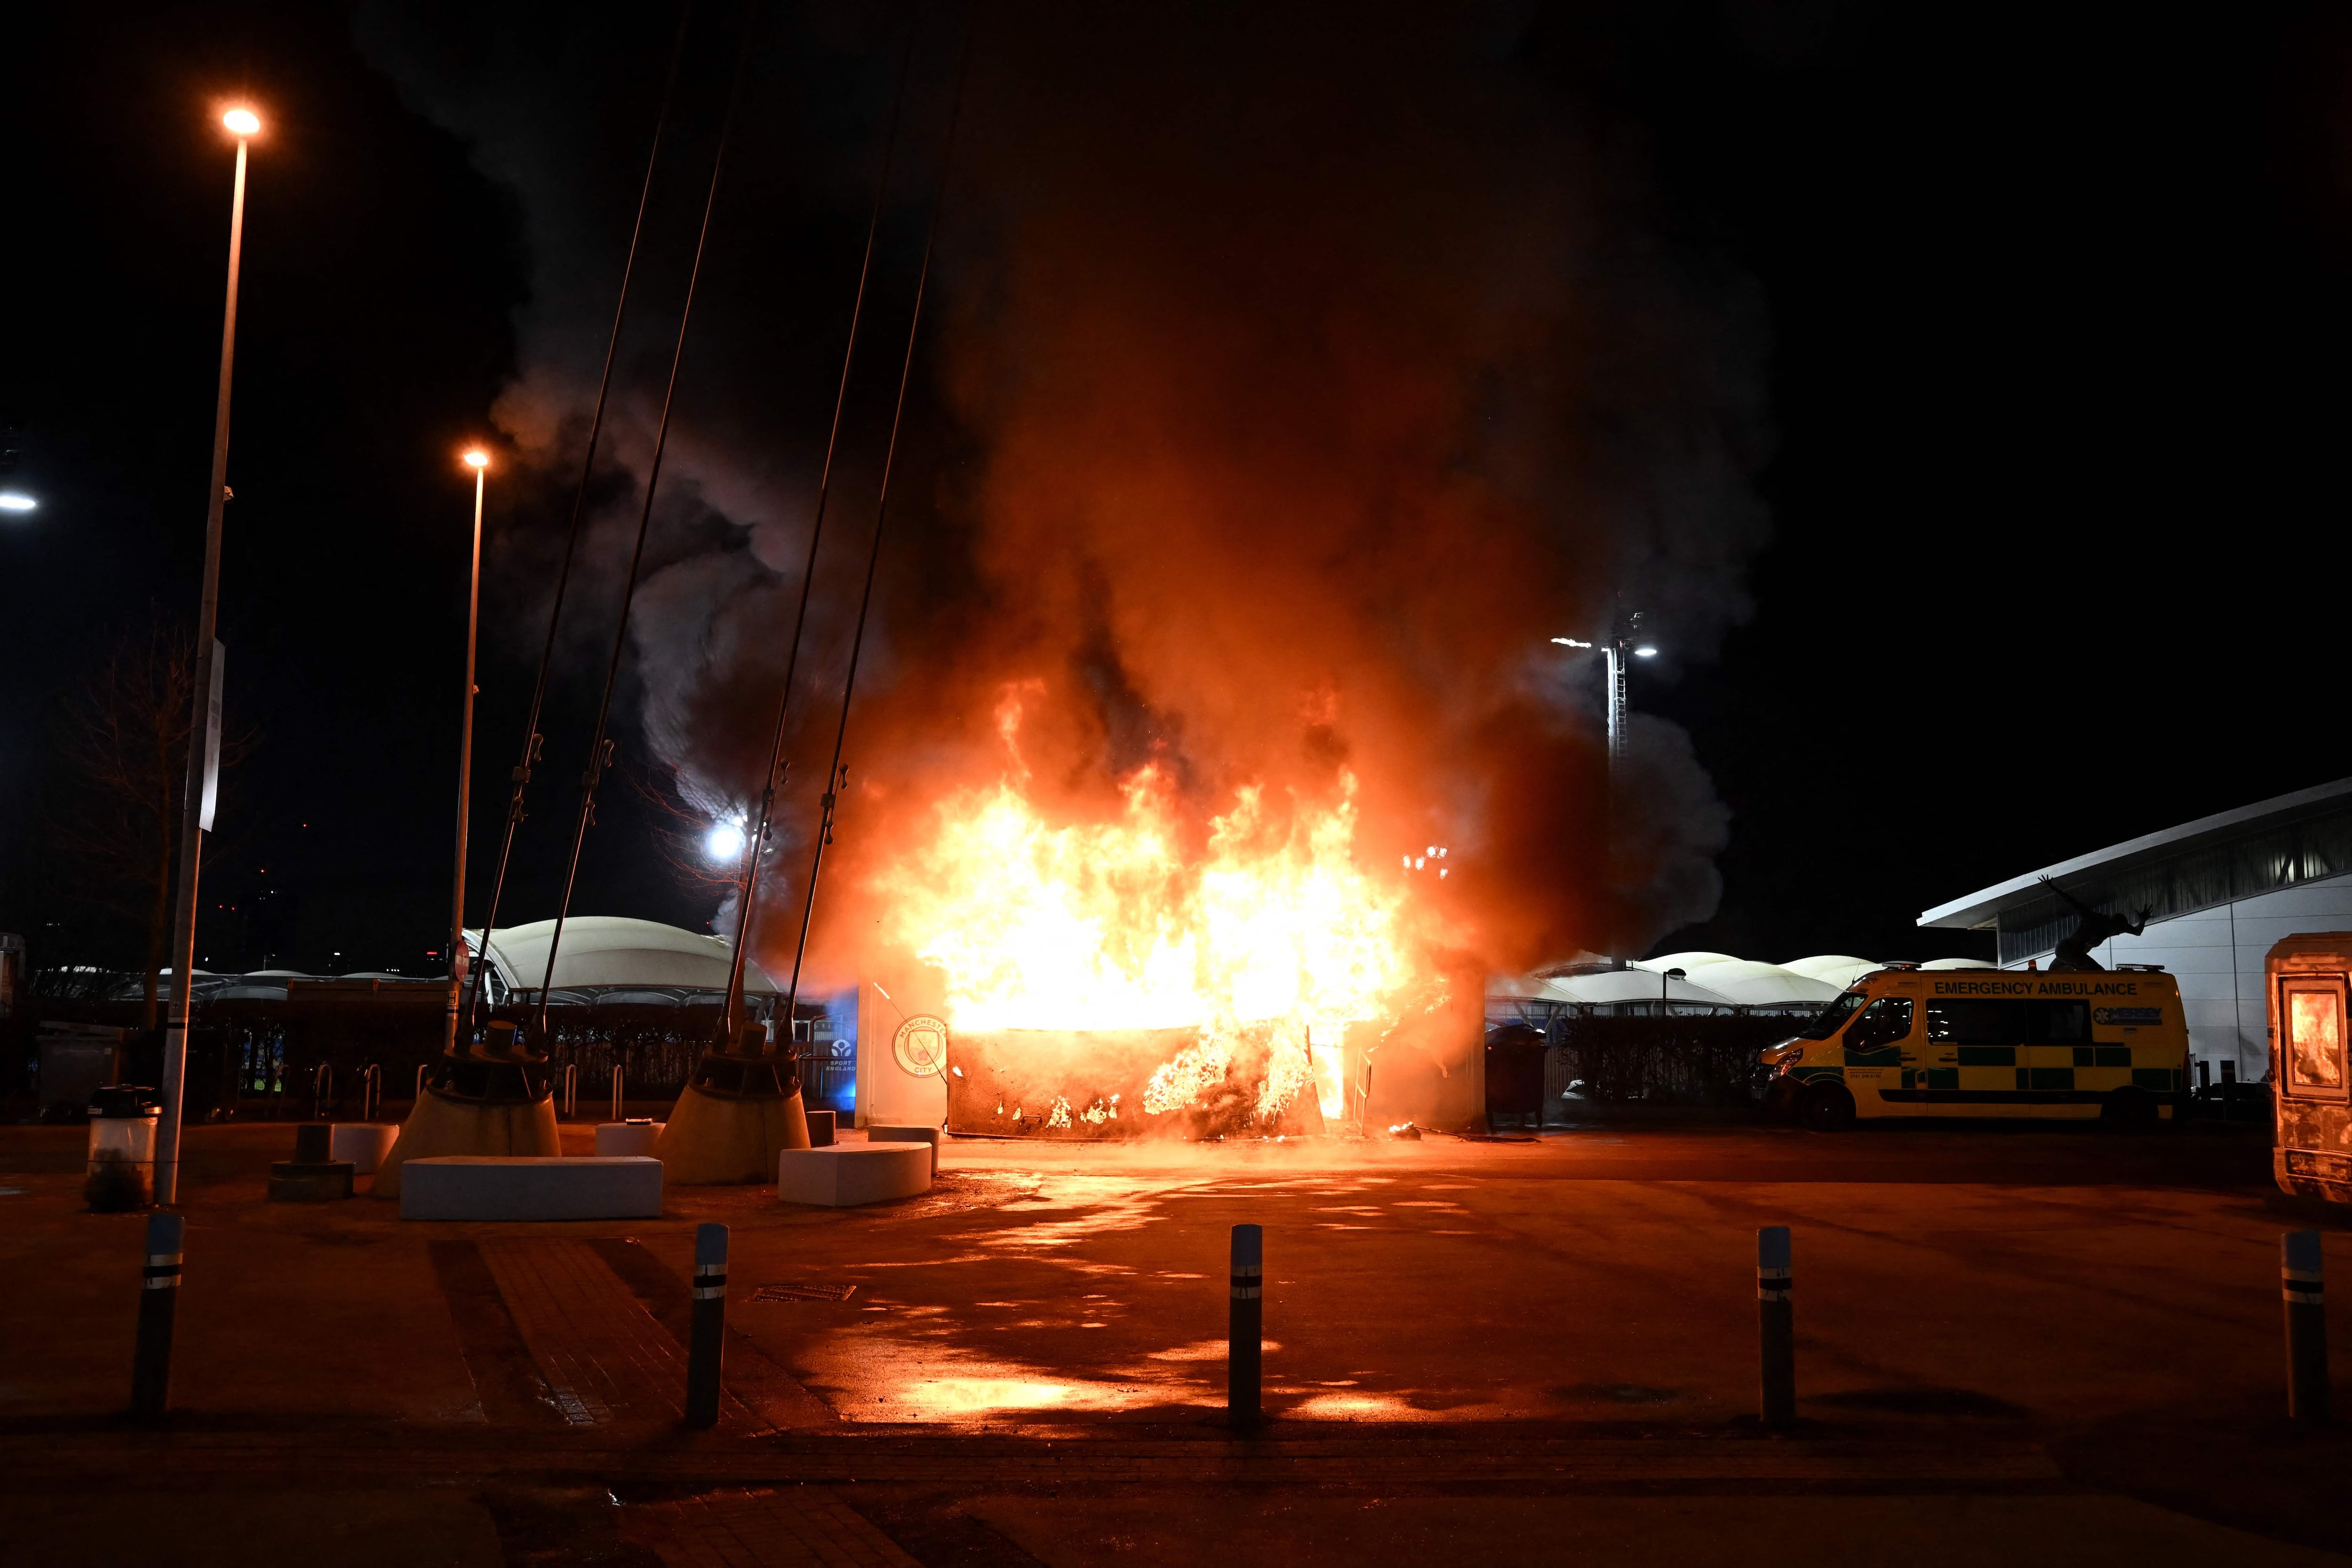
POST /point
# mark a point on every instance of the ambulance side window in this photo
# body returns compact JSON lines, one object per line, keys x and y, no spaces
{"x":1956,"y":1022}
{"x":2059,"y":1023}
{"x":1887,"y":1021}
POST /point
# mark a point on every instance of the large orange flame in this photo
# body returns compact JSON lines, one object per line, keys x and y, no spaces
{"x":1118,"y":926}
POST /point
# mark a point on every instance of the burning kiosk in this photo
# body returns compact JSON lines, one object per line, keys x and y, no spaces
{"x":1271,"y":1079}
{"x":1144,"y":976}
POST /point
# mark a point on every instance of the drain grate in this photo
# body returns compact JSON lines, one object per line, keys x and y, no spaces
{"x":804,"y":1293}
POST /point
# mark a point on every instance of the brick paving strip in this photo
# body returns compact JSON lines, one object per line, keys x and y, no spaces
{"x":590,"y":1333}
{"x":603,"y":1357}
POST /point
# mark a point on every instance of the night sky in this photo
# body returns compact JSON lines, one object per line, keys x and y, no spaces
{"x":2056,"y":308}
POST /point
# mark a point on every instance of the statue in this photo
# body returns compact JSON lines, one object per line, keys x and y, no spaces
{"x":2092,"y":927}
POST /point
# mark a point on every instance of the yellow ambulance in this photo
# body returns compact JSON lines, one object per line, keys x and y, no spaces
{"x":1902,"y":1041}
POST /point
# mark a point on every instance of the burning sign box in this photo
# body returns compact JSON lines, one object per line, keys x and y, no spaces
{"x":1098,"y":1086}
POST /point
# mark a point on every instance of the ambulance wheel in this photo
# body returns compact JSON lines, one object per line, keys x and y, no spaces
{"x":1825,"y":1108}
{"x":2128,"y":1108}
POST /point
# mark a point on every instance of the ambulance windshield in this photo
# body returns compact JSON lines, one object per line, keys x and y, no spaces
{"x":1833,"y":1017}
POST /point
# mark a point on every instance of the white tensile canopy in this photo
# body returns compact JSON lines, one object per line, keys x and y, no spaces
{"x":615,"y":950}
{"x":1840,"y":970}
{"x":1714,"y":979}
{"x":1606,"y":988}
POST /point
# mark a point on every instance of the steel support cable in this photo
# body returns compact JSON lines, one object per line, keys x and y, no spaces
{"x":834,"y":776}
{"x":600,"y":748}
{"x":531,"y":739}
{"x":749,"y":885}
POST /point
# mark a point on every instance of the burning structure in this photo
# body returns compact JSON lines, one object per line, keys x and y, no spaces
{"x":1148,"y":973}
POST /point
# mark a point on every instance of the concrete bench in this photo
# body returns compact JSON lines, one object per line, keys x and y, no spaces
{"x":847,"y":1175}
{"x":880,"y":1135}
{"x":529,"y":1186}
{"x":626,"y":1137}
{"x":364,"y":1144}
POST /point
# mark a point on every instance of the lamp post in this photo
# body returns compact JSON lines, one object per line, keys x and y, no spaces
{"x":204,"y":727}
{"x":460,"y":958}
{"x":1614,"y":651}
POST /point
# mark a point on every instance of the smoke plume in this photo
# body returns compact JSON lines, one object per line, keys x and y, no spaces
{"x":1291,"y":376}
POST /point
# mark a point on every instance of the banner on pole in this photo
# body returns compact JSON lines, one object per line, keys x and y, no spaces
{"x":212,"y":738}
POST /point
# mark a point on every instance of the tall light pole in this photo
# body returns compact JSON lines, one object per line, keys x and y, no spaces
{"x":460,"y":958}
{"x":1613,"y":650}
{"x":204,"y":726}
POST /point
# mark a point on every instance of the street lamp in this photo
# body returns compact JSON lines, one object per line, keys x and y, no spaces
{"x":459,"y":957}
{"x":204,"y":727}
{"x":1617,"y":644}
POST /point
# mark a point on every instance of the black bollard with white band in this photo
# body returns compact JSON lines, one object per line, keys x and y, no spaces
{"x":1246,"y":1328}
{"x":703,"y":1355}
{"x":1776,"y":1322}
{"x":2301,"y":1281}
{"x":159,"y":1302}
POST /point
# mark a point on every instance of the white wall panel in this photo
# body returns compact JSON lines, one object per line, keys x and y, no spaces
{"x":2217,"y":955}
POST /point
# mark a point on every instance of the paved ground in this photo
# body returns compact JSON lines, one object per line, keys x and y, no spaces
{"x":2045,"y":1346}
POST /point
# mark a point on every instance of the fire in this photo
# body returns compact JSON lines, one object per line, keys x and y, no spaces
{"x":1266,"y":923}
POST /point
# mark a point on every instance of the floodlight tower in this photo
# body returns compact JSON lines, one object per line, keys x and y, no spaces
{"x":1624,"y":639}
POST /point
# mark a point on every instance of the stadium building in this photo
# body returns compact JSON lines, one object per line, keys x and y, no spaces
{"x":2214,"y":894}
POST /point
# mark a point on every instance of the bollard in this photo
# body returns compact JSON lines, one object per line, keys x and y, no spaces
{"x":617,"y":1092}
{"x":159,"y":1299}
{"x":2301,"y":1283}
{"x":703,"y":1355}
{"x":1246,"y":1328}
{"x":1775,"y":1323}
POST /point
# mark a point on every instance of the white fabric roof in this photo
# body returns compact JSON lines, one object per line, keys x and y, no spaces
{"x":1605,"y":988}
{"x":1744,"y":981}
{"x":1751,"y":984}
{"x":615,"y":950}
{"x":1840,"y":970}
{"x":1715,"y":979}
{"x":1683,"y":961}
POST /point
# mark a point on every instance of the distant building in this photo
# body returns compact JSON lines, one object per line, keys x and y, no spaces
{"x":2218,"y":891}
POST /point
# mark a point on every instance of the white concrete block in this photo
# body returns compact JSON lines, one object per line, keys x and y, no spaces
{"x":615,"y":1138}
{"x":844,"y":1176}
{"x":879,"y":1135}
{"x":529,"y":1186}
{"x":364,"y":1144}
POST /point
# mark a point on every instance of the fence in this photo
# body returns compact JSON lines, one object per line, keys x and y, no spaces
{"x":1683,"y":1059}
{"x":250,"y":1058}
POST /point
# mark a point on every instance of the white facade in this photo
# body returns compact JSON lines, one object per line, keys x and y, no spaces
{"x":2217,"y":955}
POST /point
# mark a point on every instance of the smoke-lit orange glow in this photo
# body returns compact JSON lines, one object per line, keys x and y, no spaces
{"x":1142,"y":922}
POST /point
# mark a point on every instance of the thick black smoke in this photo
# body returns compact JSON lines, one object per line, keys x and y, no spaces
{"x":1292,"y":374}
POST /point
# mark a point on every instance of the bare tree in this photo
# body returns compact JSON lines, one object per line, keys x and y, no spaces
{"x":122,"y":749}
